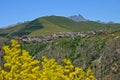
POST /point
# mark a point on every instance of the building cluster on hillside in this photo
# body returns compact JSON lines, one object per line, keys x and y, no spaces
{"x":60,"y":35}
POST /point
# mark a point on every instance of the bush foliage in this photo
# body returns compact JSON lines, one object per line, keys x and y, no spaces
{"x":19,"y":65}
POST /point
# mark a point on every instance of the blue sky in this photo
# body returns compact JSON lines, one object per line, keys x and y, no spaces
{"x":14,"y":11}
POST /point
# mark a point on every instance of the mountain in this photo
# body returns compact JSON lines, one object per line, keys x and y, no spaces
{"x":100,"y":53}
{"x":53,"y":24}
{"x":77,"y":18}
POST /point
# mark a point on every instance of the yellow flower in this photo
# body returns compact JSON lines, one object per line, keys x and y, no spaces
{"x":36,"y":69}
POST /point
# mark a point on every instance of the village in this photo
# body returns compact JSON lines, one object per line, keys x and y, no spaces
{"x":46,"y":38}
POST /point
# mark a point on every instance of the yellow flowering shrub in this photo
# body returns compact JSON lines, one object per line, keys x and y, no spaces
{"x":19,"y":65}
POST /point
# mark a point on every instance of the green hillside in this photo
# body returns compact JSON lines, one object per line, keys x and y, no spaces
{"x":80,"y":26}
{"x":48,"y":28}
{"x":11,"y":30}
{"x":53,"y":24}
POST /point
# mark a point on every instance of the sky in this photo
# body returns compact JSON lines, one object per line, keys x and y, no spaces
{"x":16,"y":11}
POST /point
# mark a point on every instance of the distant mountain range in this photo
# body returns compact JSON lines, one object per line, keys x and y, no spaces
{"x":77,"y":18}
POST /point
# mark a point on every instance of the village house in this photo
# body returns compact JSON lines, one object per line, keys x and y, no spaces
{"x":46,"y":38}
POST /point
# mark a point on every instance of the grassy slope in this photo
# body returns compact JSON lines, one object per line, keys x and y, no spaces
{"x":13,"y":29}
{"x":80,"y":26}
{"x":53,"y":24}
{"x":49,"y":28}
{"x":63,"y":22}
